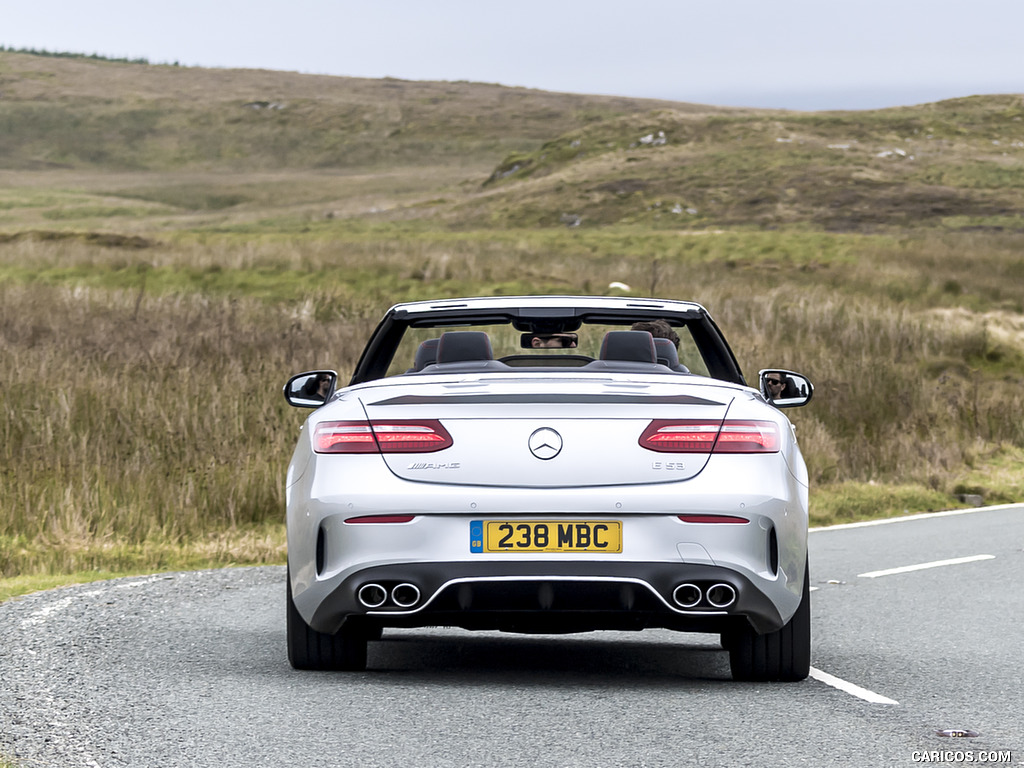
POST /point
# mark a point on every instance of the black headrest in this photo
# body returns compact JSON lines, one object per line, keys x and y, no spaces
{"x":666,"y":352}
{"x":634,"y":346}
{"x":426,"y":353}
{"x":460,"y":346}
{"x":668,"y":356}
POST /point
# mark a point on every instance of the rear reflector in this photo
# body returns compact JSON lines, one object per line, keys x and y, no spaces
{"x":393,"y":436}
{"x":732,"y":519}
{"x":381,"y":519}
{"x":693,"y":436}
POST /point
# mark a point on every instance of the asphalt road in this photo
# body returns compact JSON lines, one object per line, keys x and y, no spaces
{"x":189,"y":670}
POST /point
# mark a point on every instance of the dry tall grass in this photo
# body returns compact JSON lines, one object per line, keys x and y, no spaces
{"x":898,"y":398}
{"x":142,"y":423}
{"x":133,"y":423}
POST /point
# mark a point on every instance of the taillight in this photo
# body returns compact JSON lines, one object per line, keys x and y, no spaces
{"x":679,"y":436}
{"x":392,"y":436}
{"x":697,"y":436}
{"x":344,"y":437}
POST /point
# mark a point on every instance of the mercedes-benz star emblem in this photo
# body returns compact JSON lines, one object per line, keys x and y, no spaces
{"x":545,"y":443}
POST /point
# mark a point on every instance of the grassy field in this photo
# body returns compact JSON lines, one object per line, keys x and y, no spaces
{"x":174,"y":243}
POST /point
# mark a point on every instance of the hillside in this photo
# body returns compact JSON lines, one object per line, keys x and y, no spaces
{"x":94,"y":114}
{"x":132,"y":140}
{"x":959,"y":163}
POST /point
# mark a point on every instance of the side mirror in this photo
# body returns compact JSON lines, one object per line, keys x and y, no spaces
{"x":785,"y":389}
{"x":311,"y":389}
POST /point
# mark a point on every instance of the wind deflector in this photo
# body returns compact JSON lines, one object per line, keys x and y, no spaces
{"x":553,"y":398}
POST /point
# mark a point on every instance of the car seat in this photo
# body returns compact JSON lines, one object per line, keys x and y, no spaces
{"x":464,"y":346}
{"x":426,"y":354}
{"x":629,"y":346}
{"x":668,"y":356}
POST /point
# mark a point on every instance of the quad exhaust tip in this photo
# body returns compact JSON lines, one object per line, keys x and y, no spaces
{"x":372,"y":595}
{"x":687,"y":595}
{"x":405,"y":595}
{"x":721,"y":595}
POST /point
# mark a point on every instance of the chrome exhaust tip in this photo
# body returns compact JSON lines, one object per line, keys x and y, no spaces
{"x":687,"y":595}
{"x":721,"y":595}
{"x":405,"y":595}
{"x":372,"y":595}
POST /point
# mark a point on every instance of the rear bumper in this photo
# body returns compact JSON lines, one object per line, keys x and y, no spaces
{"x":545,"y":596}
{"x":330,"y":558}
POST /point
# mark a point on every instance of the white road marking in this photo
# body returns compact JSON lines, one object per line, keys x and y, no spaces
{"x":39,"y":616}
{"x":850,"y":688}
{"x":141,"y":581}
{"x":924,"y":566}
{"x":907,"y":518}
{"x":42,"y":614}
{"x":856,"y":690}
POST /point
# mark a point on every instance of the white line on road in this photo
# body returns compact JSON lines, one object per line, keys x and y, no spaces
{"x":850,"y":688}
{"x":908,"y":518}
{"x":924,"y":566}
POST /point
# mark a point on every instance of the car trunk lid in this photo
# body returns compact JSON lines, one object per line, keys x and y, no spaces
{"x":552,"y":433}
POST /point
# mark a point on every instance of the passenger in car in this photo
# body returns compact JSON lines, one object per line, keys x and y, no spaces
{"x":775,"y":385}
{"x":317,"y":388}
{"x":553,"y":341}
{"x":666,"y":342}
{"x":659,"y":329}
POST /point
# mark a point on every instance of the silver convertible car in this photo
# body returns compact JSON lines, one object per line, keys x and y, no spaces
{"x":549,"y":464}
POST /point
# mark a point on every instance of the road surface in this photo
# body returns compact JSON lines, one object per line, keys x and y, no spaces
{"x":916,"y":631}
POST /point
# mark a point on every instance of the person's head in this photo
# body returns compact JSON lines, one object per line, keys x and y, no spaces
{"x":659,"y":329}
{"x":774,"y":383}
{"x":317,"y":386}
{"x":553,"y":341}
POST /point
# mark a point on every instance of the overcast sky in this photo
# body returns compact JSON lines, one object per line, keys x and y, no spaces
{"x":796,"y":54}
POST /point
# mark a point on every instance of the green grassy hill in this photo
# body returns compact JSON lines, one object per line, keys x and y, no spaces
{"x":175,"y":242}
{"x":469,"y":154}
{"x":92,"y":114}
{"x":120,"y":141}
{"x":955,"y":163}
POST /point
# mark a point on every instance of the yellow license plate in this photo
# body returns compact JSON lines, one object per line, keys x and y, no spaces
{"x":546,"y":536}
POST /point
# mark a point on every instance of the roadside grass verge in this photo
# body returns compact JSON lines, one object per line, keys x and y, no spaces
{"x":54,"y":563}
{"x":850,"y":502}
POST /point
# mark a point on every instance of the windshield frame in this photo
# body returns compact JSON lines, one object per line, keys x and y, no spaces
{"x":380,"y":350}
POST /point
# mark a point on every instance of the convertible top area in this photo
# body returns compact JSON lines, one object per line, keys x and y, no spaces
{"x":541,"y":315}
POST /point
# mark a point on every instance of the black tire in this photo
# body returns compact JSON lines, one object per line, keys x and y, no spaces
{"x":783,"y":655}
{"x":309,"y":649}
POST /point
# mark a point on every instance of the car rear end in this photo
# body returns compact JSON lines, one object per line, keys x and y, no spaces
{"x":533,"y":503}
